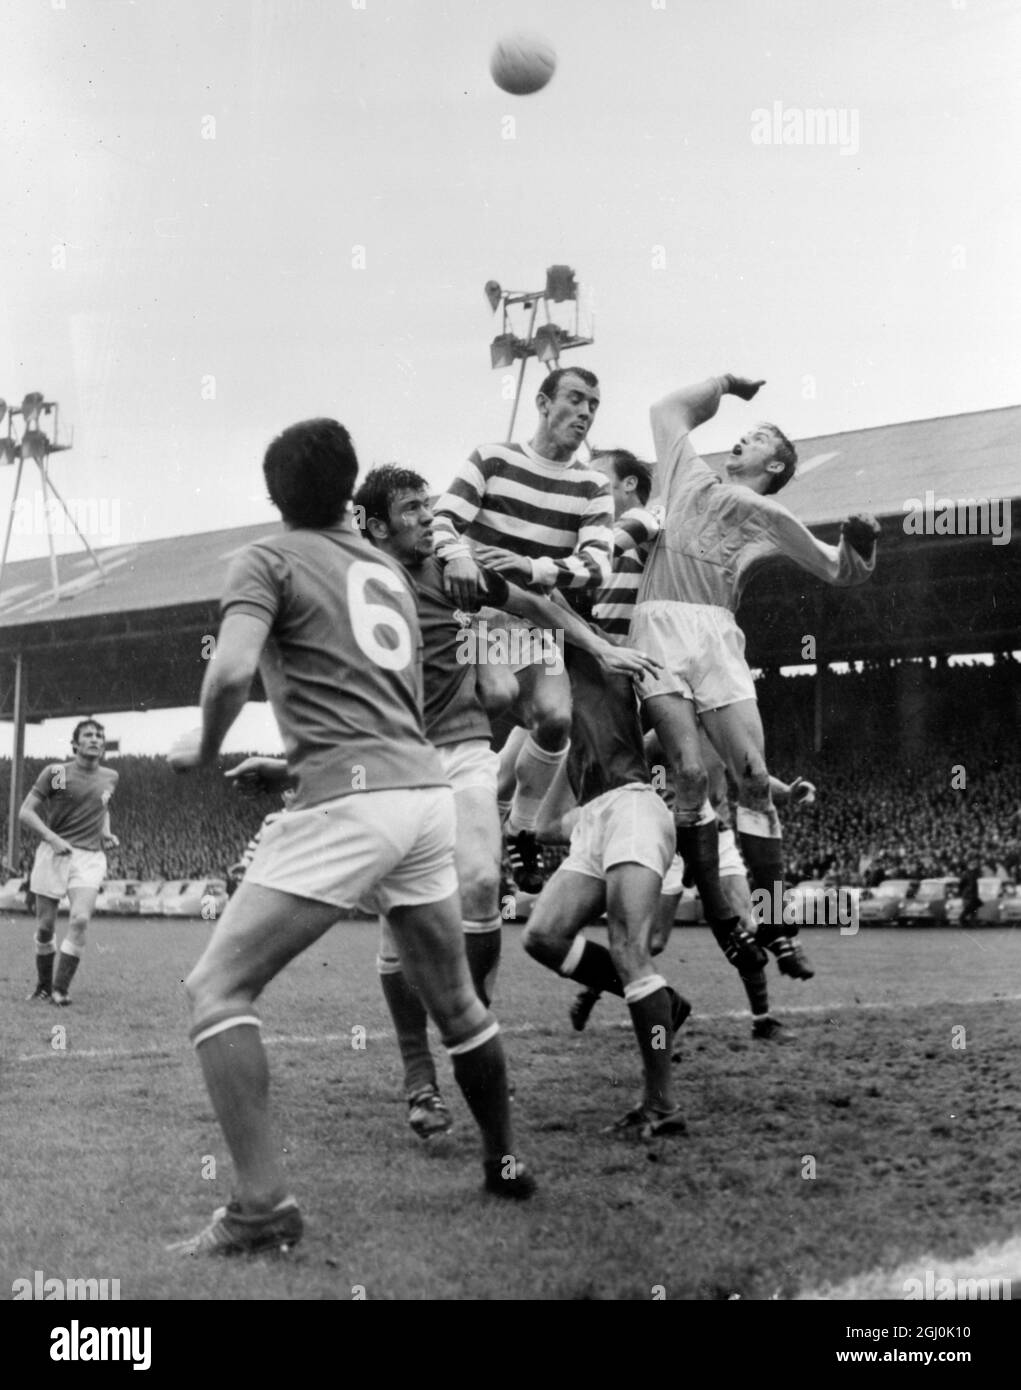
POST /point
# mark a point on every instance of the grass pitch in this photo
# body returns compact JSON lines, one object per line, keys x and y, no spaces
{"x":880,"y":1138}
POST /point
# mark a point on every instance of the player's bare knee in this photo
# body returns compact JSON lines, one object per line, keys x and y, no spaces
{"x":544,"y":943}
{"x":480,"y":893}
{"x":755,"y":793}
{"x":691,"y":785}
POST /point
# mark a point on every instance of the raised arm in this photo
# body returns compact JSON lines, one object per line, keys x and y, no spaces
{"x":676,"y":415}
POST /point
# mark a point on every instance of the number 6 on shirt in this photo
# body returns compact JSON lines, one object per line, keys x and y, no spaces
{"x":367,"y":617}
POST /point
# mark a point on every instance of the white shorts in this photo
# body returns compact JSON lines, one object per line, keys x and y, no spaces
{"x":701,"y":649}
{"x":54,"y":874}
{"x":384,"y":849}
{"x":628,"y":825}
{"x":731,"y":863}
{"x":470,"y":764}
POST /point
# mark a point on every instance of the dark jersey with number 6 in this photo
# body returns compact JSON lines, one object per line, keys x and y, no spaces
{"x":342,"y":665}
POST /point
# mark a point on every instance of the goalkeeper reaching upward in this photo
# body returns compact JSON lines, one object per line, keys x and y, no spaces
{"x":714,"y":530}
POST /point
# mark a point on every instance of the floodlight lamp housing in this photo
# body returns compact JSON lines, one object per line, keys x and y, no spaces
{"x":561,"y":284}
{"x":31,"y":405}
{"x":547,"y":342}
{"x":494,"y":294}
{"x":504,"y":349}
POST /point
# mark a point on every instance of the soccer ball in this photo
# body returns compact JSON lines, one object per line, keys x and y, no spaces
{"x":522,"y":64}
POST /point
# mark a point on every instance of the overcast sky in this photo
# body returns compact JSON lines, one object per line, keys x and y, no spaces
{"x":218,"y":219}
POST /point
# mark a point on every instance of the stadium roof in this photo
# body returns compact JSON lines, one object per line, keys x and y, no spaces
{"x":878,"y":470}
{"x":132,"y":639}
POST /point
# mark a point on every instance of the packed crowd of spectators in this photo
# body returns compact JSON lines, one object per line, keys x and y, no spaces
{"x":919,"y":776}
{"x":169,"y":826}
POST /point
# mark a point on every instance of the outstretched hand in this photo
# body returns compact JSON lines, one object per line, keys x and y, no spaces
{"x":743,"y":386}
{"x":861,"y":531}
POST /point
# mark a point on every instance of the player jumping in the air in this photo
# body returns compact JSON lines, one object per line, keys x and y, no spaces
{"x":531,"y":513}
{"x":392,"y":507}
{"x":333,"y":630}
{"x":68,"y":808}
{"x":714,"y":530}
{"x":621,"y":847}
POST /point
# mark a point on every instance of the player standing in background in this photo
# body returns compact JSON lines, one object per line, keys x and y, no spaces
{"x":392,"y":506}
{"x":713,"y":532}
{"x":333,"y":630}
{"x":533,"y":514}
{"x":69,"y":809}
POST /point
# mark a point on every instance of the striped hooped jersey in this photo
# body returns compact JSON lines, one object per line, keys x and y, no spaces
{"x":633,"y":536}
{"x":559,"y":516}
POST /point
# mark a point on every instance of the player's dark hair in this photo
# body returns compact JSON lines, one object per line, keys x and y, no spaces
{"x":76,"y":733}
{"x":378,"y":489}
{"x":310,"y":471}
{"x":550,"y":385}
{"x":625,"y":465}
{"x":786,"y":453}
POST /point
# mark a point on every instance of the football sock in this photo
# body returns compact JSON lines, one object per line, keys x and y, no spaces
{"x":481,"y":1072}
{"x":649,"y":1005}
{"x":535,"y":770}
{"x":66,"y":965}
{"x":45,"y":951}
{"x":699,"y":847}
{"x":410,"y":1024}
{"x":233,"y":1062}
{"x":482,"y":943}
{"x":758,"y":992}
{"x":592,"y":966}
{"x":762,"y":848}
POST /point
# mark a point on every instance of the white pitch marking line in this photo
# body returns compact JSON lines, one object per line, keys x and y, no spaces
{"x":512,"y":1030}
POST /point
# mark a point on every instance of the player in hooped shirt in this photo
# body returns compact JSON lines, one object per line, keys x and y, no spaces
{"x":334,"y":632}
{"x":68,"y":808}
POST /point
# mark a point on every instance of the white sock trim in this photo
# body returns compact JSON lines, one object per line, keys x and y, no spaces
{"x":388,"y":965}
{"x":478,"y":926}
{"x":569,"y":964}
{"x":641,"y":989}
{"x":239,"y":1021}
{"x":44,"y":948}
{"x":68,"y":948}
{"x":459,"y":1049}
{"x":757,"y":823}
{"x":706,"y":814}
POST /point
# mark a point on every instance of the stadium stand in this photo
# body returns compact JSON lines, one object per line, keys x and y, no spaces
{"x":170,"y":827}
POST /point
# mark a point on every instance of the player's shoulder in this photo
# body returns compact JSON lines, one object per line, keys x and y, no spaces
{"x":583,"y":473}
{"x":493,"y":458}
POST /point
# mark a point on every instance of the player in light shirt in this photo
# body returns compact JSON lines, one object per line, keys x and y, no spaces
{"x":714,"y":531}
